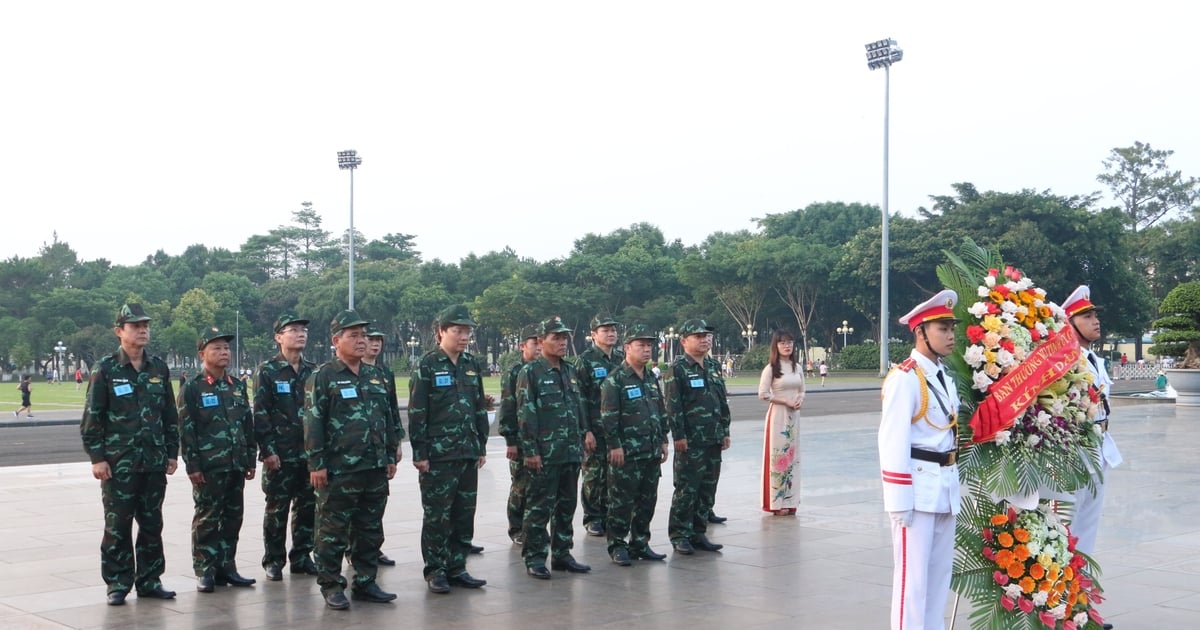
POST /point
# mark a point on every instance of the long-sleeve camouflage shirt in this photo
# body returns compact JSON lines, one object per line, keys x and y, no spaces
{"x":550,"y":412}
{"x":631,"y":408}
{"x":393,"y":400}
{"x":447,"y":412}
{"x":278,"y":405}
{"x":130,"y":414}
{"x":594,"y":367}
{"x":216,"y":424}
{"x":697,"y":403}
{"x":348,"y":423}
{"x":508,"y":406}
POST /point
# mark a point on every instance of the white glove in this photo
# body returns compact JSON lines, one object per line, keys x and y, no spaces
{"x":903,"y":519}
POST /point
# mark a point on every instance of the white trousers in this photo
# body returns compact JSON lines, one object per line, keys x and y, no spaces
{"x":922,"y":560}
{"x":1085,"y":523}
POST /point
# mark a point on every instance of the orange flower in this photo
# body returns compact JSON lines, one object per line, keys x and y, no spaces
{"x":1045,"y":586}
{"x":1005,"y":539}
{"x":1053,"y":572}
{"x":1052,"y":601}
{"x":996,"y":297}
{"x":1016,"y":570}
{"x":1000,"y":519}
{"x":1068,"y":573}
{"x":1059,"y":587}
{"x":1004,"y":558}
{"x":1081,"y":599}
{"x":1021,"y":552}
{"x":1027,"y":585}
{"x":1022,"y":535}
{"x":1037,"y":571}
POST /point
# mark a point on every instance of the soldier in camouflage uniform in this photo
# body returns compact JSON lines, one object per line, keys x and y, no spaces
{"x":448,"y":429}
{"x":279,"y":430}
{"x":635,"y":430}
{"x":551,"y":426}
{"x":594,"y":365}
{"x":531,"y":348}
{"x":351,"y":442}
{"x":699,"y":413}
{"x":130,"y":432}
{"x":216,"y":433}
{"x":375,"y":339}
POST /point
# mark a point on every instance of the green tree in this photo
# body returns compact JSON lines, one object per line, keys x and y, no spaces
{"x":1147,"y":189}
{"x":1180,"y":325}
{"x":392,"y":247}
{"x":197,"y":310}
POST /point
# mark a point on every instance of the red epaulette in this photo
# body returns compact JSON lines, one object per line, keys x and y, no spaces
{"x":907,"y":365}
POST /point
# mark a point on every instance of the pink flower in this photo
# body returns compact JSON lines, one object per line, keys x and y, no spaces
{"x":1068,"y":625}
{"x":989,"y":553}
{"x":1094,"y":615}
{"x":1047,"y":619}
{"x":1008,"y":603}
{"x":1000,"y":577}
{"x":1026,"y":605}
{"x":988,"y":535}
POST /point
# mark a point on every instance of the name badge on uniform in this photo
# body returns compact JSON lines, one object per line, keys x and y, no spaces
{"x":283,"y":387}
{"x":633,"y":393}
{"x":209,"y":400}
{"x":123,"y":390}
{"x":696,"y":382}
{"x":442,"y":379}
{"x":600,"y":372}
{"x":349,"y":392}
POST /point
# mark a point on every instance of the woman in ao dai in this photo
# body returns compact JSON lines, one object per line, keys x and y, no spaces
{"x":782,"y":386}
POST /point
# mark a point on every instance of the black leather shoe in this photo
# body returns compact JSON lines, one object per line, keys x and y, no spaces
{"x":437,"y":583}
{"x":466,"y":580}
{"x":116,"y":598}
{"x":305,"y":567}
{"x":336,"y":600}
{"x":274,"y":572}
{"x":620,"y":556}
{"x":704,"y":544}
{"x":595,"y":528}
{"x":540,"y":572}
{"x":684,"y":547}
{"x":386,"y":561}
{"x":476,"y":549}
{"x":647,"y":554}
{"x":1108,"y":626}
{"x":717,"y":520}
{"x":158,"y":592}
{"x":205,"y":583}
{"x":372,"y":593}
{"x":570,"y":565}
{"x":233,"y":578}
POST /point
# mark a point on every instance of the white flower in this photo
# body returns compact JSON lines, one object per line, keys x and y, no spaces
{"x":1059,"y":611}
{"x":1012,"y":286}
{"x":1042,"y":419}
{"x":1002,"y":437}
{"x":978,"y":309}
{"x":1034,"y":547}
{"x":1039,"y":598}
{"x":1008,"y":307}
{"x":1080,"y":619}
{"x":982,"y":292}
{"x":1022,"y":311}
{"x":1057,"y":311}
{"x":974,"y":356}
{"x":1032,"y":440}
{"x":990,"y":281}
{"x":1005,"y":358}
{"x":981,"y":381}
{"x":1013,"y":590}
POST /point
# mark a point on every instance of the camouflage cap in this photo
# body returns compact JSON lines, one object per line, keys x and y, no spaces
{"x":211,"y":335}
{"x":553,"y":325}
{"x":132,"y":312}
{"x":640,"y":331}
{"x":530,"y":332}
{"x":695,"y":327}
{"x":603,"y":319}
{"x":456,"y":315}
{"x":286,"y":318}
{"x":373,"y":330}
{"x":344,"y":320}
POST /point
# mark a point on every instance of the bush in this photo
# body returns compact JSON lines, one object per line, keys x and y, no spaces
{"x":1179,"y":329}
{"x":866,"y":356}
{"x":755,"y":360}
{"x":508,"y":359}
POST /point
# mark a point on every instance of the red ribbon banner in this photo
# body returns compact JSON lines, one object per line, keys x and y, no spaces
{"x":1010,"y":396}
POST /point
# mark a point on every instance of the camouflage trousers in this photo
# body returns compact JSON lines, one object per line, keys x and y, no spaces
{"x":350,"y":517}
{"x":448,"y":493}
{"x":632,"y":495}
{"x":127,"y":497}
{"x":516,"y":494}
{"x":594,"y":497}
{"x":288,"y":488}
{"x":217,"y":522}
{"x":550,"y":501}
{"x":696,"y":474}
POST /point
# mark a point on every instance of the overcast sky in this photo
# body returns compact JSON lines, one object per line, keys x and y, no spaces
{"x":132,"y":126}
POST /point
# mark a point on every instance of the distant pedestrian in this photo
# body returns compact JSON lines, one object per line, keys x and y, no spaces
{"x":824,"y":372}
{"x":25,"y":386}
{"x":78,"y":378}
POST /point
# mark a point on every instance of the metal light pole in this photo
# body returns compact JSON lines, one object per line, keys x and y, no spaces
{"x":349,"y":160}
{"x":61,"y":350}
{"x":748,"y":333}
{"x":412,"y":349}
{"x":671,"y":337}
{"x":237,"y":342}
{"x":882,"y":54}
{"x":844,"y":330}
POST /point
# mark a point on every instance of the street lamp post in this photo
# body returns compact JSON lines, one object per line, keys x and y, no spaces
{"x":412,"y":349}
{"x":749,"y":333}
{"x":671,"y":337}
{"x":60,"y":363}
{"x":843,"y":330}
{"x":882,"y":54}
{"x":349,"y":161}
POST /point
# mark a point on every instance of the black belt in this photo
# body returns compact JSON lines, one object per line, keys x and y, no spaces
{"x":1103,"y":425}
{"x":948,"y":458}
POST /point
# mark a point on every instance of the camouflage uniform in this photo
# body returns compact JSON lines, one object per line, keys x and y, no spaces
{"x":217,"y":438}
{"x":279,"y":429}
{"x":594,"y":366}
{"x":699,"y":412}
{"x":448,"y":427}
{"x":550,"y":417}
{"x":509,"y":430}
{"x":631,"y":409}
{"x":130,"y":421}
{"x":350,"y":433}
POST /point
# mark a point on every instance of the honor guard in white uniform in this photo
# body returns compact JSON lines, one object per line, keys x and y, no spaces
{"x":918,"y":440}
{"x":1086,"y":321}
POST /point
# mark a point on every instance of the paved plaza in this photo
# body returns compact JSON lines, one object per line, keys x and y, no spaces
{"x":827,"y":567}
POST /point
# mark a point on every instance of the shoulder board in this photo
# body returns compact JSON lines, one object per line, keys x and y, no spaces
{"x":907,"y":365}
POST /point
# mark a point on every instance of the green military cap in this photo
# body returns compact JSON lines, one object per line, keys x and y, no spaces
{"x":553,"y":325}
{"x":286,"y":318}
{"x":640,"y":331}
{"x":457,"y":315}
{"x":603,"y":319}
{"x":131,"y":313}
{"x":344,"y":320}
{"x":211,"y":335}
{"x":374,"y":331}
{"x":529,"y":332}
{"x":694,"y":327}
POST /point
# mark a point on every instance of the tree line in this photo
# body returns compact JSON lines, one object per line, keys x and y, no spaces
{"x":806,"y":270}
